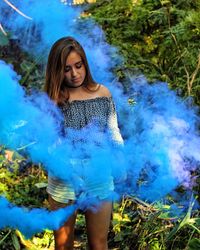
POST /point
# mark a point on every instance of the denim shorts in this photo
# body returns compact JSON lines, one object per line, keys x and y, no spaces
{"x":63,"y":192}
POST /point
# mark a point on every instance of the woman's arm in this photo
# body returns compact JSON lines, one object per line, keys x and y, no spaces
{"x":113,"y":124}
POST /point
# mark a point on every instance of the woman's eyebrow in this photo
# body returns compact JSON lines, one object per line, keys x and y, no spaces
{"x":74,"y":63}
{"x":79,"y":62}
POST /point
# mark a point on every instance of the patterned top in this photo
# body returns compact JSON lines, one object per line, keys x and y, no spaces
{"x":78,"y":116}
{"x":100,"y":111}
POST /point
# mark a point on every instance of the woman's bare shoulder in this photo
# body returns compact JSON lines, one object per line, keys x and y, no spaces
{"x":104,"y":91}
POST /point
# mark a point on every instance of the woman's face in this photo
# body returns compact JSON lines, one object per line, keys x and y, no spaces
{"x":75,"y":71}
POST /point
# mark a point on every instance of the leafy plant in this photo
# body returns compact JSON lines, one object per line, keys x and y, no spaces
{"x":156,"y":38}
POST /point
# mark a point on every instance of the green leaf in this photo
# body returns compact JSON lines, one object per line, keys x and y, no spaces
{"x":194,"y":244}
{"x":186,"y":221}
{"x":3,"y":39}
{"x":15,"y":241}
{"x":4,"y":238}
{"x":41,"y":185}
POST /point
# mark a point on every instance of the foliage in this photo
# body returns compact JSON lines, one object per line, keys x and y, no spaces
{"x":23,"y":184}
{"x":20,"y":179}
{"x":158,"y":38}
{"x":138,"y":225}
{"x":30,"y":70}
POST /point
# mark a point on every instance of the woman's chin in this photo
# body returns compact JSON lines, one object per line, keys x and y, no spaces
{"x":74,"y":84}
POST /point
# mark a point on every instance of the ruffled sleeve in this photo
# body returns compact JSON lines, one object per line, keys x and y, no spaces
{"x":113,"y":124}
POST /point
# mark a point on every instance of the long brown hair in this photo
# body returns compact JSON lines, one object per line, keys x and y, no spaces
{"x":54,"y":85}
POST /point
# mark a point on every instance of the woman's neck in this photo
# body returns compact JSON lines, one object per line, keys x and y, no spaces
{"x":77,"y":93}
{"x":74,"y":90}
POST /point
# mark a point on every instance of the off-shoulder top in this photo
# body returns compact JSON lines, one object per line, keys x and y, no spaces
{"x":100,"y":110}
{"x":78,"y":115}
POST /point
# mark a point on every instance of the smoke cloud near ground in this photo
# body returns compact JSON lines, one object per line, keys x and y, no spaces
{"x":160,"y":130}
{"x":31,"y":221}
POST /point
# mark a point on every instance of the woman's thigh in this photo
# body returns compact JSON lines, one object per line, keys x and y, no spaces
{"x":98,"y":223}
{"x":64,"y":236}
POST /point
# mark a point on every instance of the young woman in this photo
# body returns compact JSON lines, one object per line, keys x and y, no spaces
{"x":70,"y":85}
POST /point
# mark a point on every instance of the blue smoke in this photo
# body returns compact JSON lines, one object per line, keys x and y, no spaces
{"x":160,"y":130}
{"x":160,"y":146}
{"x":52,"y":20}
{"x":32,"y":221}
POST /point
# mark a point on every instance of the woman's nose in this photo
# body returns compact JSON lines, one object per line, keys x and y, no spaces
{"x":74,"y":72}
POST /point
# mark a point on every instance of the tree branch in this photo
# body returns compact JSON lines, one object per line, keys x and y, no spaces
{"x":2,"y":30}
{"x":17,"y":10}
{"x":193,"y":76}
